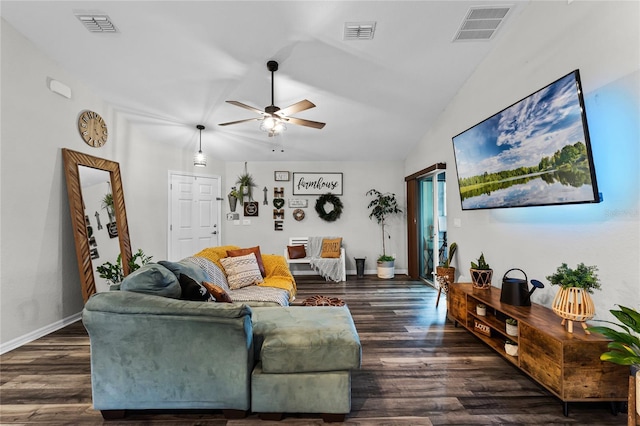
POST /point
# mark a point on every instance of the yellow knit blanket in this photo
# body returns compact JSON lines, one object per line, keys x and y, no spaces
{"x":275,"y":267}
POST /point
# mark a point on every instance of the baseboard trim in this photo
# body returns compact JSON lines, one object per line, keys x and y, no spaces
{"x":36,"y":334}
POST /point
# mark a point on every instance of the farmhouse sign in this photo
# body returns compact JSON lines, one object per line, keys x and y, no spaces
{"x":317,"y":183}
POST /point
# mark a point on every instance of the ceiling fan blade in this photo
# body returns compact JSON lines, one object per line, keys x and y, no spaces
{"x":239,"y":121}
{"x":302,"y":122}
{"x":297,"y":107}
{"x":245,"y":106}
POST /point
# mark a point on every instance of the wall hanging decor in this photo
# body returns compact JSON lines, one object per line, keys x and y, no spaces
{"x":333,"y":214}
{"x":246,"y":182}
{"x":233,"y":199}
{"x":251,"y":208}
{"x":278,"y":211}
{"x":317,"y":183}
{"x":295,"y":203}
{"x":298,"y":214}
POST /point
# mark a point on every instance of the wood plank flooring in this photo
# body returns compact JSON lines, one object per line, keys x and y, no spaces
{"x":417,"y":369}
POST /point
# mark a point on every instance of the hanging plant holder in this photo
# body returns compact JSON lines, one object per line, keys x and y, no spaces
{"x":332,"y":215}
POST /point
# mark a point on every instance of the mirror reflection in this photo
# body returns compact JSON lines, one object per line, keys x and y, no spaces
{"x":98,"y":217}
{"x":102,"y":231}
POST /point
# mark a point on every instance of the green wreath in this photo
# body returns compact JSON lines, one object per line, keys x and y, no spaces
{"x":337,"y":207}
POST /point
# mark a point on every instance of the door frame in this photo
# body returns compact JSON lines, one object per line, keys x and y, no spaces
{"x":413,"y":210}
{"x":219,"y":198}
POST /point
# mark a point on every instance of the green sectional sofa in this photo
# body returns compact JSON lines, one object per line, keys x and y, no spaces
{"x":155,"y":352}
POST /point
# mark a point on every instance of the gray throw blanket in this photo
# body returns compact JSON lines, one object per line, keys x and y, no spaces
{"x":329,"y":268}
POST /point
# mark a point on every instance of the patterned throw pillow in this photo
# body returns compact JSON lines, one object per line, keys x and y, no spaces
{"x":331,"y":247}
{"x":217,"y":292}
{"x":245,"y":251}
{"x":213,"y":271}
{"x":242,"y":271}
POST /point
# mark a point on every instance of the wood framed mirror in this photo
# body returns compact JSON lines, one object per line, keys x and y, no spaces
{"x":74,"y":165}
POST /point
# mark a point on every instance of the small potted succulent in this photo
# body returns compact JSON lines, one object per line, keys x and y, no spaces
{"x":512,"y":326}
{"x":481,"y":273}
{"x":511,"y":347}
{"x":481,"y":309}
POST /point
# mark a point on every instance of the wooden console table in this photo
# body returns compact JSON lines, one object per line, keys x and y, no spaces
{"x":567,"y":364}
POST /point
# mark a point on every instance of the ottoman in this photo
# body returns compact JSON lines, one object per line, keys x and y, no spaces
{"x":305,"y":355}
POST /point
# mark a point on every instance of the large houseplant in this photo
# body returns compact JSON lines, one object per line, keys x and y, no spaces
{"x":625,"y":345}
{"x":383,"y":206}
{"x":572,"y":302}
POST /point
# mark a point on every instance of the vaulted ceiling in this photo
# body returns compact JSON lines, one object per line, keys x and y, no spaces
{"x":172,"y":65}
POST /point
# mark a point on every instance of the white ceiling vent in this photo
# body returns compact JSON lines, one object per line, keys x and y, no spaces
{"x":97,"y":23}
{"x":481,"y":23}
{"x":359,"y":30}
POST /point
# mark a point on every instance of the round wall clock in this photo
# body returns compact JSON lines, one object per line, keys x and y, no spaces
{"x":92,"y":128}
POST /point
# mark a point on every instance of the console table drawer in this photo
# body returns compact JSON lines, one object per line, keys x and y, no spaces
{"x":540,"y":343}
{"x":542,"y":368}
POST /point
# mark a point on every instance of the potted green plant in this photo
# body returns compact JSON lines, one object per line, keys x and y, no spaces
{"x":246,"y":182}
{"x":573,"y":302}
{"x":511,"y":347}
{"x":481,"y":273}
{"x":445,"y":271}
{"x":383,"y":206}
{"x":511,"y":326}
{"x":113,"y":272}
{"x":625,"y":345}
{"x":107,"y":204}
{"x":233,"y":198}
{"x":481,"y":309}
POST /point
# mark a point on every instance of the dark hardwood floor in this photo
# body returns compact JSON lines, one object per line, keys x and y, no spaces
{"x":417,"y":369}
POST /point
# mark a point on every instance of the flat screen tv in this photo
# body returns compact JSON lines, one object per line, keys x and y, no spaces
{"x":535,"y":152}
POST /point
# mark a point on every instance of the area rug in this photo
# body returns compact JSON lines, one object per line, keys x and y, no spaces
{"x":319,"y":300}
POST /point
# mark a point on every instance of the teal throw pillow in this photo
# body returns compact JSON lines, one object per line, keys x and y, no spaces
{"x":153,"y":278}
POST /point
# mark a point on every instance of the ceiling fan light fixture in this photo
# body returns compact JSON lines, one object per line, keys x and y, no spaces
{"x":272,"y":125}
{"x":200,"y":160}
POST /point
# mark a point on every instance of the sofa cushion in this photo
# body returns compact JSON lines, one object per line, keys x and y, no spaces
{"x":299,"y":339}
{"x":331,"y":248}
{"x":217,"y":292}
{"x":242,"y":252}
{"x":186,"y":267}
{"x":242,"y":271}
{"x":296,"y":252}
{"x":193,"y":290}
{"x":152,"y":278}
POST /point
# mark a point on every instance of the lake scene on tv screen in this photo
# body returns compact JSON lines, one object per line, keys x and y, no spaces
{"x":535,"y":152}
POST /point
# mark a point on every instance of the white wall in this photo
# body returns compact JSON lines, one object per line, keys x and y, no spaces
{"x":361,"y":236}
{"x":39,"y":281}
{"x":601,"y":39}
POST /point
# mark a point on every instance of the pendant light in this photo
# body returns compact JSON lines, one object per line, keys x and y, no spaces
{"x":200,"y":160}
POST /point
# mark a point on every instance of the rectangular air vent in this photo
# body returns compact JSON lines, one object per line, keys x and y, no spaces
{"x":359,"y":30}
{"x":97,"y":23}
{"x":481,"y":23}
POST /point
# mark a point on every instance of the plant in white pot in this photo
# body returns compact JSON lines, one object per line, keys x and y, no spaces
{"x":481,"y":309}
{"x":512,"y":326}
{"x":573,"y":302}
{"x":383,"y":206}
{"x":511,"y":348}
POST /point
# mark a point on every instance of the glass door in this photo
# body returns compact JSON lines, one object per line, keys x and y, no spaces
{"x":432,"y":222}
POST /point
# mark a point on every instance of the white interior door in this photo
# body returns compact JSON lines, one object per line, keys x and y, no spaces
{"x":194,"y":219}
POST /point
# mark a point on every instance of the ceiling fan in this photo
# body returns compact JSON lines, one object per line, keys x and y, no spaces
{"x":273,"y":118}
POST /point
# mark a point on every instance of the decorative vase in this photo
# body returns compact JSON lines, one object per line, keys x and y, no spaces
{"x":481,"y":278}
{"x":573,"y":304}
{"x":481,"y":310}
{"x":512,"y":330}
{"x":511,"y":349}
{"x":233,"y":202}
